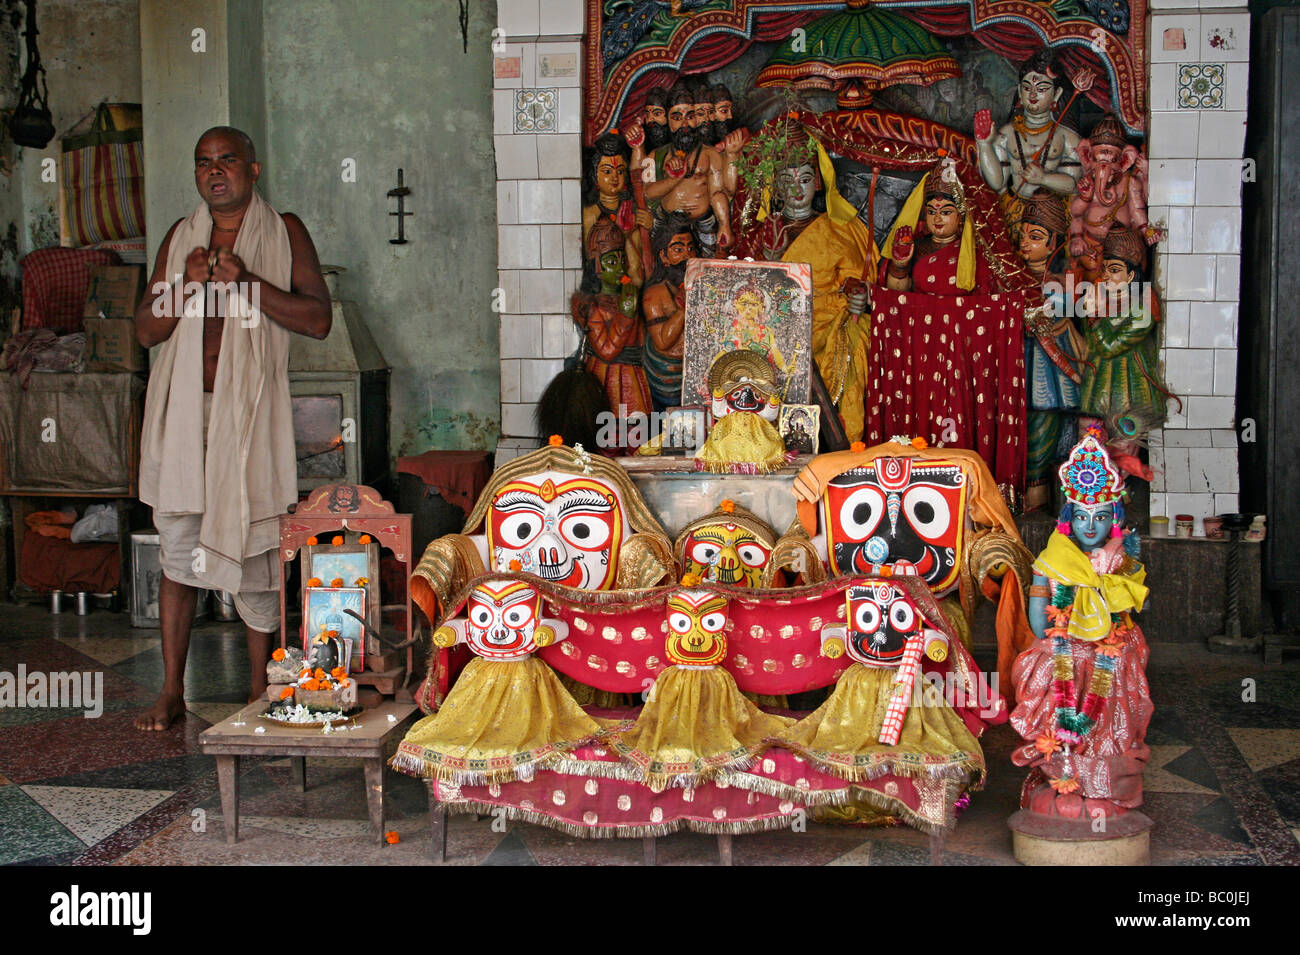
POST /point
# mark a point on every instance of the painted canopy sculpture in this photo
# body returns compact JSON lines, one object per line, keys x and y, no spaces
{"x":857,"y":51}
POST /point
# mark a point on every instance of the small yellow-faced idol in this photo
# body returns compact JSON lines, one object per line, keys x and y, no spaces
{"x":731,"y":545}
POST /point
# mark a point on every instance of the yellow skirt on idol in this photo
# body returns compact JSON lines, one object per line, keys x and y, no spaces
{"x":842,"y":736}
{"x":696,"y":725}
{"x":501,"y":721}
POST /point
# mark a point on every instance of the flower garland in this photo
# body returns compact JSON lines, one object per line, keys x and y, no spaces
{"x":1072,"y":722}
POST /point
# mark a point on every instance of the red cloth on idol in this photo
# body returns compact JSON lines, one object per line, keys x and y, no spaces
{"x":459,"y":476}
{"x":943,"y":362}
{"x":55,"y":282}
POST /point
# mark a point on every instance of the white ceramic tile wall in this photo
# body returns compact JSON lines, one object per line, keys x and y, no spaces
{"x":1195,"y":193}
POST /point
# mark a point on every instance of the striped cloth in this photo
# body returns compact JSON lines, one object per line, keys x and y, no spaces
{"x":55,"y":282}
{"x":105,"y":190}
{"x":896,"y":712}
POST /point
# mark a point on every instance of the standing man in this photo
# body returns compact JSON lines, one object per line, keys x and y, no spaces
{"x":664,"y":305}
{"x":248,"y":277}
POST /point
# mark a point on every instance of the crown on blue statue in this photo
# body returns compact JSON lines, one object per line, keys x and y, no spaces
{"x":1088,"y":478}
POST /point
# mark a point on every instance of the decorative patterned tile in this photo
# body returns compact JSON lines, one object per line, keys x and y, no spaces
{"x":110,"y":650}
{"x":1158,"y":778}
{"x":310,"y":827}
{"x":1201,"y":86}
{"x":536,"y":109}
{"x":94,"y":814}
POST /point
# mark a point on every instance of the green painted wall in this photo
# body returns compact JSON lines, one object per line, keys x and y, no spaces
{"x":387,"y":84}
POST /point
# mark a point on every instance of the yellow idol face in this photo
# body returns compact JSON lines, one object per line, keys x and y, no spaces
{"x":697,"y":634}
{"x":726,"y":554}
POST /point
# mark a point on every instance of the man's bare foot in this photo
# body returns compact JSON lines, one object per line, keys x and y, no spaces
{"x":162,"y":714}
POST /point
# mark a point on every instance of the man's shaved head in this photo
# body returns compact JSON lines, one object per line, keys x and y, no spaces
{"x":237,"y":134}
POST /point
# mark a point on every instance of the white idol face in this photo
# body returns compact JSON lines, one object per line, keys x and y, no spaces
{"x":502,"y":616}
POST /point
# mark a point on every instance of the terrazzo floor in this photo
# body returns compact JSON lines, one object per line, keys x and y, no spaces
{"x":1223,"y":784}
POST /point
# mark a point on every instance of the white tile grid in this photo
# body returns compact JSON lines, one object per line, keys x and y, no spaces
{"x":1205,"y":411}
{"x":519,"y":247}
{"x":1217,"y":229}
{"x":503,"y":111}
{"x":521,"y":336}
{"x":1228,"y":278}
{"x":560,"y":336}
{"x":507,"y":202}
{"x":1223,"y":438}
{"x":1190,"y":371}
{"x":517,"y":420}
{"x":552,"y":56}
{"x":1176,"y":323}
{"x":1174,"y":135}
{"x":1218,"y":182}
{"x":1164,"y":86}
{"x":540,"y":201}
{"x":1236,"y":81}
{"x":1222,"y":133}
{"x":508,"y":283}
{"x":1226,"y":504}
{"x":1172,"y":182}
{"x":1189,"y":277}
{"x":552,"y":246}
{"x":1191,"y":438}
{"x":1198,"y":505}
{"x":1213,"y":325}
{"x":526,"y":53}
{"x":559,"y":155}
{"x":569,"y":119}
{"x":517,"y":155}
{"x":519,"y":18}
{"x":571,"y":200}
{"x":510,"y":448}
{"x":561,"y":18}
{"x":509,"y":380}
{"x":1212,"y":470}
{"x":1177,"y":477}
{"x":1232,"y":31}
{"x":1225,"y":372}
{"x":1164,"y":28}
{"x":535,"y":374}
{"x":571,"y":245}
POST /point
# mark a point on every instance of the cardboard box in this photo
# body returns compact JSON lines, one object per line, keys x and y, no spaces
{"x":114,"y":291}
{"x":111,"y":345}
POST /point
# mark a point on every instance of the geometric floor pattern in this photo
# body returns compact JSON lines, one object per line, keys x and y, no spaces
{"x":1222,"y":786}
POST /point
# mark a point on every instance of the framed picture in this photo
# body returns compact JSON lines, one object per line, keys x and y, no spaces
{"x":763,"y":306}
{"x":683,"y":429}
{"x":323,"y":609}
{"x":348,"y":561}
{"x":799,"y":426}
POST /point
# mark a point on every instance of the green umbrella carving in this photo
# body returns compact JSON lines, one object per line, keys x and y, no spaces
{"x":858,"y":51}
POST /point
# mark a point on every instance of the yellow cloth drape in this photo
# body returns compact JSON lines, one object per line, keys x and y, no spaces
{"x":838,"y":252}
{"x":1096,"y":596}
{"x":696,"y":724}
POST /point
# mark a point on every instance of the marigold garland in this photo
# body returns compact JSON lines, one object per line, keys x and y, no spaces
{"x":277,"y":654}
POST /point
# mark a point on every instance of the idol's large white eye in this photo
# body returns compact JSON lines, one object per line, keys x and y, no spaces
{"x":518,"y":529}
{"x":861,"y":512}
{"x":480,"y":616}
{"x":585,"y":531}
{"x":518,"y":616}
{"x":927,"y":511}
{"x":901,"y":615}
{"x":703,"y":552}
{"x":680,"y":622}
{"x":752,"y":555}
{"x":713,"y":622}
{"x":866,"y":617}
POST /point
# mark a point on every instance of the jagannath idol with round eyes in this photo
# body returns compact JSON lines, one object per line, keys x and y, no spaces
{"x":508,"y":714}
{"x":745,"y":405}
{"x":730,"y":545}
{"x":1084,"y":704}
{"x":696,"y":724}
{"x":878,"y":719}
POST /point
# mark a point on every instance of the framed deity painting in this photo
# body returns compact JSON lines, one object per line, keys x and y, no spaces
{"x":355,"y":565}
{"x":324,"y":611}
{"x":763,"y":306}
{"x":799,"y":425}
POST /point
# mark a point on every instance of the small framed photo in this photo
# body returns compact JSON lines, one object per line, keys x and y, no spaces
{"x":683,"y":429}
{"x":323,"y":610}
{"x":349,"y":562}
{"x":799,"y":425}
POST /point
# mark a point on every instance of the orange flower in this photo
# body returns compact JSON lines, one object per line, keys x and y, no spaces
{"x":311,"y":541}
{"x":1108,"y":649}
{"x":858,"y":446}
{"x":277,"y":654}
{"x":392,"y":838}
{"x":624,"y":280}
{"x":362,"y":581}
{"x":727,"y":507}
{"x":286,"y":693}
{"x":336,"y":582}
{"x":516,"y":566}
{"x":314,"y":582}
{"x":318,"y":673}
{"x":942,"y":152}
{"x":920,"y":443}
{"x":304,"y":674}
{"x":365,"y":538}
{"x":334,"y":634}
{"x":338,"y":673}
{"x":555,"y":440}
{"x":336,"y":541}
{"x":326,"y":685}
{"x":343,"y":683}
{"x":886,"y":571}
{"x":1047,"y":744}
{"x":1064,"y":786}
{"x":691,"y":580}
{"x":311,"y":685}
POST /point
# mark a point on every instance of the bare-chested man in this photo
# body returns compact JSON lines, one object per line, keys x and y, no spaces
{"x":225,"y":170}
{"x":664,"y":305}
{"x":691,"y":177}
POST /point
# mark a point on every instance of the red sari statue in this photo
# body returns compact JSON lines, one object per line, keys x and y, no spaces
{"x":947,"y":358}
